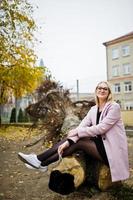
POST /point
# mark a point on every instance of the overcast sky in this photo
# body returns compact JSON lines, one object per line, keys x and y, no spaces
{"x":72,"y":34}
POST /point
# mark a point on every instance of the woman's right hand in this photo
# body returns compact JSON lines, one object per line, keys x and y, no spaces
{"x":62,"y":147}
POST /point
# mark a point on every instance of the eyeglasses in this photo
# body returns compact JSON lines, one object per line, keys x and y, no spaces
{"x":102,"y":88}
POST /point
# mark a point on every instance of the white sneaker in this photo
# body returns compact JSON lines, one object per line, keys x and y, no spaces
{"x":30,"y":159}
{"x":41,"y":168}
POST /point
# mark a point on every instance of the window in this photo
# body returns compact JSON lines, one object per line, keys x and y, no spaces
{"x":126,"y":68}
{"x":115,"y":70}
{"x":126,"y":50}
{"x":115,"y":53}
{"x":128,"y":86}
{"x":128,"y":106}
{"x":117,"y":88}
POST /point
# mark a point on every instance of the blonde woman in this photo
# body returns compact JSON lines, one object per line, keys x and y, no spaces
{"x":100,"y":134}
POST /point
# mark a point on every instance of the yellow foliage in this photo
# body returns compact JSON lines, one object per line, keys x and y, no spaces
{"x":18,"y":73}
{"x":17,"y":133}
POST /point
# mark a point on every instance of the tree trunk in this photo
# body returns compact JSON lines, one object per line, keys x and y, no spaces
{"x":16,"y":106}
{"x":0,"y":115}
{"x":72,"y":171}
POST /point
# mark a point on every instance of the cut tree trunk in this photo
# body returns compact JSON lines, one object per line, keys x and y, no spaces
{"x":72,"y":172}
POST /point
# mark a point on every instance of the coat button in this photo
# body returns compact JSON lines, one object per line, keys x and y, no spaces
{"x":104,"y":138}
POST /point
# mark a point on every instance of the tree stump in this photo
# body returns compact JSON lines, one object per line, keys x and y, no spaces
{"x":98,"y":174}
{"x":72,"y":172}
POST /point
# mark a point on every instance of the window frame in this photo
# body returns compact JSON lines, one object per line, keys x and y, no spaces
{"x":117,"y":88}
{"x":126,"y":68}
{"x":128,"y":106}
{"x":127,"y":50}
{"x":127,"y":86}
{"x":115,"y":53}
{"x":115,"y":70}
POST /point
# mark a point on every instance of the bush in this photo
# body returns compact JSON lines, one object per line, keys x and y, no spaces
{"x":20,"y":115}
{"x":26,"y":117}
{"x":13,"y":116}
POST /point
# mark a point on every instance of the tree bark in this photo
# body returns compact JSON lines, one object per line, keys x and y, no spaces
{"x":72,"y":172}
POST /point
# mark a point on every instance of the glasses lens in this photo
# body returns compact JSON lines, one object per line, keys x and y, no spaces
{"x":103,"y":88}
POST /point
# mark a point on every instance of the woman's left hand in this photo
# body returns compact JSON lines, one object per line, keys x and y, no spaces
{"x":72,"y":133}
{"x":62,"y":147}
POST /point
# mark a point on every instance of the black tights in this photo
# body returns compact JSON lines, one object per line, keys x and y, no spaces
{"x":84,"y":144}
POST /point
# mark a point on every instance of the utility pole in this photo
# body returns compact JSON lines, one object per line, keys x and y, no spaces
{"x":77,"y":84}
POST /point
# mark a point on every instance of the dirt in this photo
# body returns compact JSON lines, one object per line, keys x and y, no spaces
{"x":19,"y":183}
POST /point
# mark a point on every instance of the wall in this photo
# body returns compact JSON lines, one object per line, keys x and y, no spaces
{"x":127,"y":117}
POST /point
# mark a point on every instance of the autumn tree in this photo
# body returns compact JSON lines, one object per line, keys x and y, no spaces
{"x":18,"y":72}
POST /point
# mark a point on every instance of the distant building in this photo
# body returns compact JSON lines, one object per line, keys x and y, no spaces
{"x":119,"y":56}
{"x":41,"y":64}
{"x":81,"y":96}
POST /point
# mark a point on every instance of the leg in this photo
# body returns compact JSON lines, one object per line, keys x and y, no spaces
{"x":51,"y":155}
{"x":48,"y":153}
{"x":35,"y":161}
{"x":84,"y":144}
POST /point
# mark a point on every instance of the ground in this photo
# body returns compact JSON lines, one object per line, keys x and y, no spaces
{"x":20,"y":183}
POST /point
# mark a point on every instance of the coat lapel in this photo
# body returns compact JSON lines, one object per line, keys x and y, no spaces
{"x":94,"y":114}
{"x":104,"y":110}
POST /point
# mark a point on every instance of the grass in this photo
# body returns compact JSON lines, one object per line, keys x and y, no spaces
{"x":123,"y":192}
{"x":17,"y":132}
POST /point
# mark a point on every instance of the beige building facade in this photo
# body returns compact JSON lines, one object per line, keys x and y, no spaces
{"x":82,"y":96}
{"x":119,"y":56}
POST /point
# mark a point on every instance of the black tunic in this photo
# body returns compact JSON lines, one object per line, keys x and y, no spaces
{"x":99,"y":143}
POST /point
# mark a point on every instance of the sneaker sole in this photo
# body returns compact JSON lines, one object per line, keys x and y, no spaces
{"x":29,"y":166}
{"x":33,"y":168}
{"x":25,"y":161}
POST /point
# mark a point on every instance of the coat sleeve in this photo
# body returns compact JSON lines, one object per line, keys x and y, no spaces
{"x":73,"y":138}
{"x":111,"y":118}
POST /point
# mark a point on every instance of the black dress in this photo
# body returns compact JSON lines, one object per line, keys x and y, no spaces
{"x":99,"y":143}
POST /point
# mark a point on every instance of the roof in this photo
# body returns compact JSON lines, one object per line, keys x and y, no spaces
{"x":119,"y":39}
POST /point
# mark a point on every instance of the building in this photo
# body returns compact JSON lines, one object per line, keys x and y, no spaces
{"x":82,"y":96}
{"x":119,"y":56}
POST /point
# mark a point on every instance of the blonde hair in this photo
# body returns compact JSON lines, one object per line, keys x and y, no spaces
{"x":110,"y":96}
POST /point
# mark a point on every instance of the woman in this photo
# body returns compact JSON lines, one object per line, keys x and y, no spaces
{"x":100,"y":134}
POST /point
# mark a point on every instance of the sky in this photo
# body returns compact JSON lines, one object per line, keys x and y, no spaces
{"x":72,"y":33}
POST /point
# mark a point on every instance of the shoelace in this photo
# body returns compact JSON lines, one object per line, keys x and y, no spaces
{"x":66,"y":168}
{"x":60,"y":157}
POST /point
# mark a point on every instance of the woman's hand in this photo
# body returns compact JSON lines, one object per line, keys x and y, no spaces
{"x":62,"y":147}
{"x":72,"y":133}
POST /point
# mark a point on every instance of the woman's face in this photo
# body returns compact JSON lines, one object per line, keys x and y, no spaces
{"x":102,"y":91}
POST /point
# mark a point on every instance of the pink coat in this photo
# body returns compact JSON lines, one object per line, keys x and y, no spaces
{"x":112,"y":130}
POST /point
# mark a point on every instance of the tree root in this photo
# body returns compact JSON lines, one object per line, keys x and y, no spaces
{"x":36,"y":140}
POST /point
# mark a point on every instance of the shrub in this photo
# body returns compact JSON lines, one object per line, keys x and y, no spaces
{"x":20,"y":115}
{"x":13,"y":115}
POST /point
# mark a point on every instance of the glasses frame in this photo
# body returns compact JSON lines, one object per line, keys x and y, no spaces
{"x":102,"y":88}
